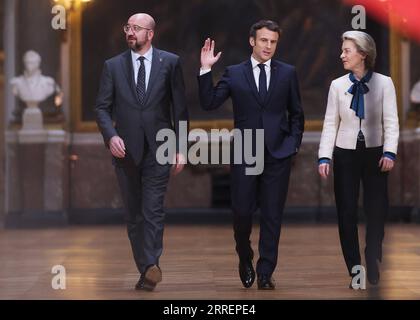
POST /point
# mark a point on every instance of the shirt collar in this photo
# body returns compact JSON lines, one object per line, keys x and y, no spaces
{"x":147,"y":56}
{"x":255,"y":63}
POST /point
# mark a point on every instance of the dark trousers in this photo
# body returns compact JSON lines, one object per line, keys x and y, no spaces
{"x":143,"y":190}
{"x":351,"y":167}
{"x":267,"y":191}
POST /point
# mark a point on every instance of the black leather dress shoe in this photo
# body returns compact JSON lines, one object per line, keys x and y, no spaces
{"x":246,"y":273}
{"x":373,"y":272}
{"x":266,"y":282}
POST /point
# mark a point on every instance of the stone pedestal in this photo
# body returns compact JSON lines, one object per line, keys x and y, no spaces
{"x":37,"y":178}
{"x":32,"y":120}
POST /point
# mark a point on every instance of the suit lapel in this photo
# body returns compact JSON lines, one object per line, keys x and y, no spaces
{"x":274,"y":76}
{"x":154,"y":72}
{"x":249,"y":75}
{"x":129,"y":73}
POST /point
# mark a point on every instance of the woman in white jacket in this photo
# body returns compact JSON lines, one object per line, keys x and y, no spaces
{"x":361,"y":130}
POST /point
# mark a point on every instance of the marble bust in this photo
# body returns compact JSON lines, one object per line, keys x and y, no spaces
{"x":32,"y":87}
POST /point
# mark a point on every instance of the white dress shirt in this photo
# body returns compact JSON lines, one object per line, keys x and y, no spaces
{"x":147,"y":64}
{"x":255,"y":69}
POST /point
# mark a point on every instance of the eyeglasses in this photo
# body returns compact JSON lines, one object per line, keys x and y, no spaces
{"x":134,"y":27}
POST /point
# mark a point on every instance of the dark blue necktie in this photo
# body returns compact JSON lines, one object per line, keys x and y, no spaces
{"x":262,"y":87}
{"x":141,"y":81}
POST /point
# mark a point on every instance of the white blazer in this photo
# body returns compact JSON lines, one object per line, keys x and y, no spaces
{"x":341,"y":125}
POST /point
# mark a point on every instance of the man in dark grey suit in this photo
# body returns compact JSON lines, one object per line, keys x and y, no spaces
{"x":142,"y":90}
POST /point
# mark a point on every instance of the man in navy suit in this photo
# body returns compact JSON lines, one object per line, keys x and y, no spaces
{"x":265,"y":95}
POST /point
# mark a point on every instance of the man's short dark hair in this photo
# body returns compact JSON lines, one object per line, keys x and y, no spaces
{"x":270,"y":25}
